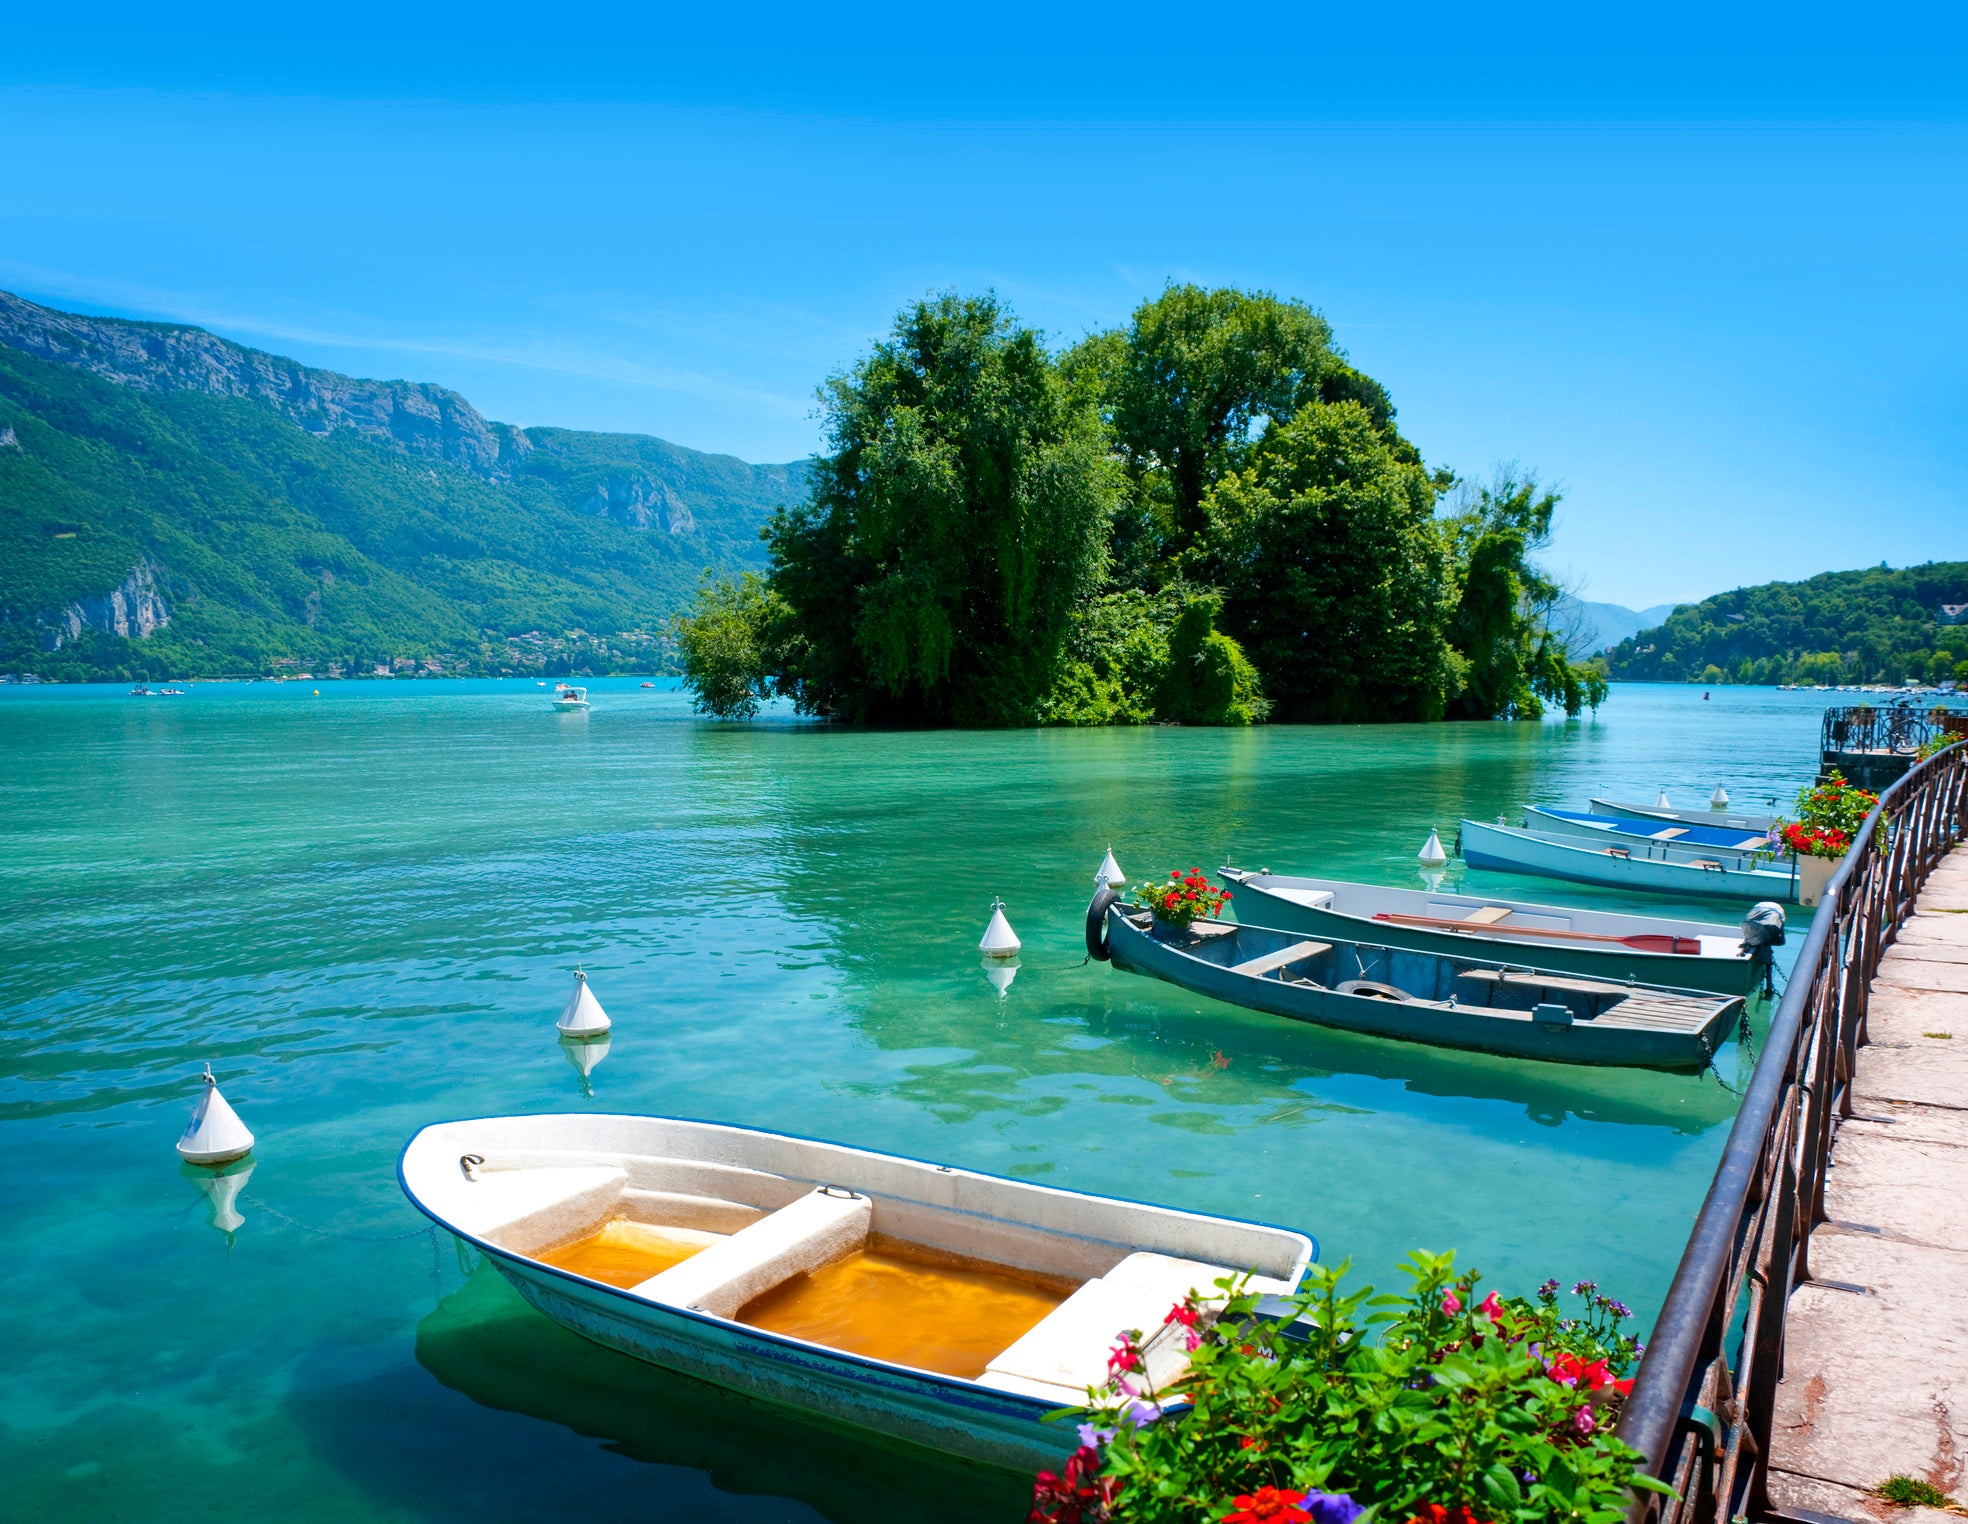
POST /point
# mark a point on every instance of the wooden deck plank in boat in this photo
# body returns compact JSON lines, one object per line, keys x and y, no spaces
{"x":1296,"y":953}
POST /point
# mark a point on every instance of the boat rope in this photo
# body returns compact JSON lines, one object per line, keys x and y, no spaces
{"x":360,"y":1238}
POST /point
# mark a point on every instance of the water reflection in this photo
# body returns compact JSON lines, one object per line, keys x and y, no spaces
{"x":1000,"y":971}
{"x":584,"y":1053}
{"x":220,"y":1185}
{"x":486,"y":1343}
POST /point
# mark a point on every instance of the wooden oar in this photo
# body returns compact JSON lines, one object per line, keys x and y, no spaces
{"x":1642,"y":941}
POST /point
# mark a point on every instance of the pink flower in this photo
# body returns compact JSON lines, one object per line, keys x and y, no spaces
{"x":1451,"y":1303}
{"x":1491,"y":1307}
{"x":1583,"y":1423}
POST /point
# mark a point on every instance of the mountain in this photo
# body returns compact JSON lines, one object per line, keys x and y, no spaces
{"x":1869,"y":626}
{"x":1595,"y":626}
{"x":173,"y":504}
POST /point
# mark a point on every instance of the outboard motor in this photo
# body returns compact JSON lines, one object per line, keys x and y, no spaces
{"x":1763,"y":933}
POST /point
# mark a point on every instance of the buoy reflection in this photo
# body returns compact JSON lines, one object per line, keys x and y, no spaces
{"x":220,"y":1186}
{"x":584,"y":1053}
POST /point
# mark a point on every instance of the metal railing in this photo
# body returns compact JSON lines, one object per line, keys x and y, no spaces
{"x":1703,"y":1401}
{"x":1896,"y":729}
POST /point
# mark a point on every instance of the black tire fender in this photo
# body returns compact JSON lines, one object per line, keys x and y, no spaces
{"x":1096,"y":927}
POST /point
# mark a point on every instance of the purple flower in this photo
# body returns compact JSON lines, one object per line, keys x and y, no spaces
{"x":1331,"y":1508}
{"x":1137,"y":1413}
{"x":1092,"y":1438}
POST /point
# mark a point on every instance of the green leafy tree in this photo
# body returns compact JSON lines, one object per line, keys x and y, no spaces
{"x":1509,"y":657}
{"x":1208,"y":679}
{"x":1333,"y":570}
{"x":732,"y":645}
{"x":1196,"y":378}
{"x":957,"y":523}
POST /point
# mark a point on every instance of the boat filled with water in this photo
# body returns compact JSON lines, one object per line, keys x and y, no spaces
{"x":924,"y":1303}
{"x":1478,"y":999}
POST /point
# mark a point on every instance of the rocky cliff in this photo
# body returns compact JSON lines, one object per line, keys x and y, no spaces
{"x":641,"y":502}
{"x":415,"y":417}
{"x":132,"y":609}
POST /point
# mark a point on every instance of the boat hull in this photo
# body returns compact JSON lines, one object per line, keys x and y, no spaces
{"x":1474,"y":1028}
{"x":1506,"y":850}
{"x":954,"y":1417}
{"x":1720,"y":967}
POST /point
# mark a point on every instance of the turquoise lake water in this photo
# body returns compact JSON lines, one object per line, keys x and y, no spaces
{"x":362,"y":908}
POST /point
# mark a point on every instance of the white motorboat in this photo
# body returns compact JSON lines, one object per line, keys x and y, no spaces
{"x":569,"y":700}
{"x":924,"y":1303}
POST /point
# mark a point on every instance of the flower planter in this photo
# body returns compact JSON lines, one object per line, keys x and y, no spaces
{"x":1813,"y":875}
{"x":1167,"y":931}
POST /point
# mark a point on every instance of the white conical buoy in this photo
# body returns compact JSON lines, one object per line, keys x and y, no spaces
{"x":1109,"y":872}
{"x":999,"y":940}
{"x":583,"y":1016}
{"x":1662,"y":802}
{"x":1001,"y":971}
{"x":1719,"y":800}
{"x":215,"y":1134}
{"x":1431,"y":854}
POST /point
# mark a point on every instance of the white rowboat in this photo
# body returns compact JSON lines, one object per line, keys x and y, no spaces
{"x":923,"y":1303}
{"x":1622,"y":866}
{"x":1742,"y":820}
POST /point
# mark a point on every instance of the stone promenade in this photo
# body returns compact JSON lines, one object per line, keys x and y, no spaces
{"x":1876,"y":1374}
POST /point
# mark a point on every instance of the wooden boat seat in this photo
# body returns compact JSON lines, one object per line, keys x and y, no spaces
{"x":1489,"y":915}
{"x":1669,"y":834}
{"x":1066,"y":1350}
{"x":1625,"y":852}
{"x":1563,"y":982}
{"x":815,"y":1230}
{"x":1705,"y":862}
{"x":1298,"y":952}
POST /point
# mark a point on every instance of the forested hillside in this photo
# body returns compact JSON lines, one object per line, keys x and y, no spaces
{"x":175,"y":506}
{"x":1877,"y":625}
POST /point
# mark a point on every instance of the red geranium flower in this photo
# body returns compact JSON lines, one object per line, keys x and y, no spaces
{"x":1268,"y":1505}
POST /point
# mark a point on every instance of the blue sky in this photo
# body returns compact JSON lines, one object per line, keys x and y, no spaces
{"x":1703,"y":270}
